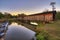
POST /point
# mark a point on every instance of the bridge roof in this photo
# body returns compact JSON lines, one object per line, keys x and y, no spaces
{"x":48,"y":12}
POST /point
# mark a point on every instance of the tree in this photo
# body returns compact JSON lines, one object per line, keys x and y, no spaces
{"x":52,"y":4}
{"x":58,"y":15}
{"x":7,"y":15}
{"x":21,"y":17}
{"x":1,"y":15}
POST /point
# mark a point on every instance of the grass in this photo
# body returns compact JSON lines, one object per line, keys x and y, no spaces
{"x":53,"y":30}
{"x":42,"y":35}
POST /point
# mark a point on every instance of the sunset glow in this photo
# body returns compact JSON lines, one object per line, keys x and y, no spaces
{"x":27,"y":6}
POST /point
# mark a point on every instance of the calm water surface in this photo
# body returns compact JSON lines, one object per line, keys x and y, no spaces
{"x":19,"y":32}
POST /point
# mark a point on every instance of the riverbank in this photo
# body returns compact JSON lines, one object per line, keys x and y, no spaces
{"x":51,"y":31}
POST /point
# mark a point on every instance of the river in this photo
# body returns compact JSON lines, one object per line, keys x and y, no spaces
{"x":18,"y":32}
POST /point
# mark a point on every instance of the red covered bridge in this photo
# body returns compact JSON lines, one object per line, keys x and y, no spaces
{"x":44,"y":17}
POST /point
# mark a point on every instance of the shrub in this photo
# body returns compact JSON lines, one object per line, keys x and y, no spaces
{"x":43,"y":35}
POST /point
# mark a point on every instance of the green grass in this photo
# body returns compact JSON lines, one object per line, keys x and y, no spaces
{"x":53,"y":30}
{"x":43,"y":35}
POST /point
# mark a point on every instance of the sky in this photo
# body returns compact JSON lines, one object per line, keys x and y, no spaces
{"x":27,"y":6}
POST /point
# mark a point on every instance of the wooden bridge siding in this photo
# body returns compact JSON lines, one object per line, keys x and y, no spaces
{"x":43,"y":17}
{"x":48,"y":17}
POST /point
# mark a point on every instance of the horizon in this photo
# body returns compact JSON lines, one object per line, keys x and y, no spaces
{"x":27,"y":6}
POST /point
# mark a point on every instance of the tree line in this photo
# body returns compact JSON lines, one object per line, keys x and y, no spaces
{"x":58,"y":15}
{"x":8,"y":15}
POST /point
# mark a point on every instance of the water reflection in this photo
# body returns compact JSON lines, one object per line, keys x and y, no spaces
{"x":19,"y":32}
